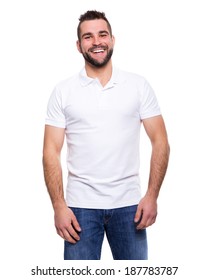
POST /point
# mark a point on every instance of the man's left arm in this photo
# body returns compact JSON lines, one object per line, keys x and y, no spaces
{"x":147,"y":208}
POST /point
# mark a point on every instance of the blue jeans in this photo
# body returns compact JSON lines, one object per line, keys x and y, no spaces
{"x":126,"y":242}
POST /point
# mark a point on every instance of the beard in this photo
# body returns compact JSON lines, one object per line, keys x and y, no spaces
{"x":95,"y":62}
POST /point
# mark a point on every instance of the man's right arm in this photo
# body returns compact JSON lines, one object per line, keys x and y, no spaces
{"x":66,"y":223}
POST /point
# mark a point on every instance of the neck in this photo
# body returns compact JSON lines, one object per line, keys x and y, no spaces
{"x":103,"y":74}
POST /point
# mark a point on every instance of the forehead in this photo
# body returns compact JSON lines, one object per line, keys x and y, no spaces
{"x":93,"y":26}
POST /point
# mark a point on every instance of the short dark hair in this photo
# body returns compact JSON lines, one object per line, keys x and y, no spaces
{"x":91,"y":15}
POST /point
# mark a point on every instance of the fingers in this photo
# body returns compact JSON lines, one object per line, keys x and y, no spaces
{"x":144,"y":218}
{"x":76,"y":224}
{"x":146,"y":213}
{"x":145,"y":222}
{"x":69,"y":234}
{"x":67,"y":225}
{"x":138,"y":215}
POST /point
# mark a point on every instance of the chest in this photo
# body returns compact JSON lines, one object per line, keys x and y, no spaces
{"x":95,"y":101}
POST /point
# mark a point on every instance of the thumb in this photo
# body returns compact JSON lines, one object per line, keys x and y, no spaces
{"x":75,"y":223}
{"x":138,"y":215}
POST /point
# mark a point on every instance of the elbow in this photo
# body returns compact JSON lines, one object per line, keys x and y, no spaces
{"x":50,"y":156}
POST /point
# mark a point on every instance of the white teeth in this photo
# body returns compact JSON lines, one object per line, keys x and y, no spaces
{"x":98,"y":51}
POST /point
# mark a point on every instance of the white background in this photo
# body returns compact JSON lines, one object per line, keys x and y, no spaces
{"x":165,"y":41}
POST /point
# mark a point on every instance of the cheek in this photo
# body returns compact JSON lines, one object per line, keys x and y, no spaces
{"x":79,"y":47}
{"x":83,"y":49}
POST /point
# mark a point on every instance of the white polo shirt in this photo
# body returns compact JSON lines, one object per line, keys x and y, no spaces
{"x":102,"y":132}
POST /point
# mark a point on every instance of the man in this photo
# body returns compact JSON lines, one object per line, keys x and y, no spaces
{"x":100,"y":110}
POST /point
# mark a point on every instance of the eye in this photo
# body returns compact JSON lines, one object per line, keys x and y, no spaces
{"x":103,"y":35}
{"x":87,"y":37}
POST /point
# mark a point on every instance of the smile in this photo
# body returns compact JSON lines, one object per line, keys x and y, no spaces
{"x":98,"y":51}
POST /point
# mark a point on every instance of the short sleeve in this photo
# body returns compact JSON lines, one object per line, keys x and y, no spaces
{"x":149,"y":106}
{"x":55,"y":113}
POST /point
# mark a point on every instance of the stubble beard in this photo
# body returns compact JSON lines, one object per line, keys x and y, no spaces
{"x":95,"y":62}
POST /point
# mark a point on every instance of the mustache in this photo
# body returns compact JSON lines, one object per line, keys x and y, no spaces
{"x":98,"y":47}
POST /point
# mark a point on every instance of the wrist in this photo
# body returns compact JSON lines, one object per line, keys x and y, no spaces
{"x":59,"y":204}
{"x":151,"y":193}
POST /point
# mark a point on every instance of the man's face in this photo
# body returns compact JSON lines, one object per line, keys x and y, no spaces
{"x":96,"y":43}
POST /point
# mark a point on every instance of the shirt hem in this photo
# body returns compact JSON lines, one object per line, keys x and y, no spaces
{"x":106,"y":206}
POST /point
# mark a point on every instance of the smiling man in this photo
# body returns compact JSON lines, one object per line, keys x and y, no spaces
{"x":100,"y":111}
{"x":99,"y":54}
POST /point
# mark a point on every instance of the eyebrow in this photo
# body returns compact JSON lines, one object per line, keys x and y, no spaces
{"x":100,"y":32}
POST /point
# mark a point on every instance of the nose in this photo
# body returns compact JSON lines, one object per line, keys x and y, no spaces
{"x":96,"y":40}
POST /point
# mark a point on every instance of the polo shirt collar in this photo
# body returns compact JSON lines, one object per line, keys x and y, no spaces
{"x":85,"y":80}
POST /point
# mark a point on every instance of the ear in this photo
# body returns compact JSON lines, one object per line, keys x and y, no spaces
{"x":113,"y":40}
{"x":78,"y":46}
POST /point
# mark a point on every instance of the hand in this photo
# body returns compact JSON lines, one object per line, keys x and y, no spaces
{"x":146,"y":212}
{"x":66,"y":224}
